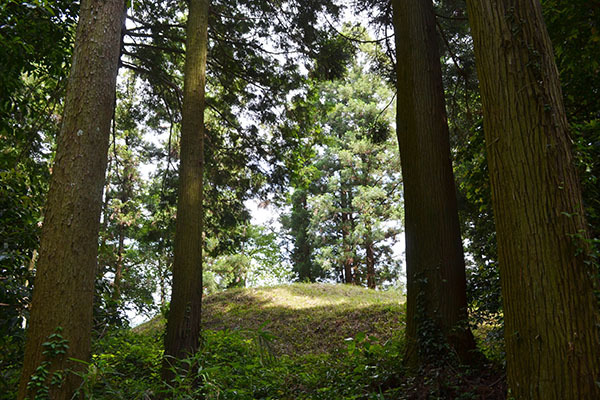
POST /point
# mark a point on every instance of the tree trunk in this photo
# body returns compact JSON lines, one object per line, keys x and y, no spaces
{"x":550,"y":314}
{"x":163,"y":284}
{"x":435,"y":269}
{"x":116,"y":294}
{"x":300,"y":219}
{"x":370,"y":261}
{"x":368,"y":237}
{"x":347,"y":255}
{"x":347,"y":258}
{"x":183,"y":324}
{"x":64,"y":285}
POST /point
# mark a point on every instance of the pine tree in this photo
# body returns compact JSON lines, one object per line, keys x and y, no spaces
{"x":354,"y":205}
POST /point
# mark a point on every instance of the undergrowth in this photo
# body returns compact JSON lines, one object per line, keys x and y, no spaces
{"x":299,"y":342}
{"x":239,"y":365}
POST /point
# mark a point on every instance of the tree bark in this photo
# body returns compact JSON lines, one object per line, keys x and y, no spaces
{"x":435,"y":269}
{"x":301,"y":256}
{"x":370,"y":261}
{"x":64,"y":284}
{"x":346,"y":226}
{"x":183,"y":324}
{"x":347,"y":258}
{"x":550,"y":313}
{"x":368,"y":237}
{"x":116,"y":294}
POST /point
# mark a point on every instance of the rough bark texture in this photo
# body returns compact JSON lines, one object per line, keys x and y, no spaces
{"x":552,"y":344}
{"x":183,"y":325}
{"x":64,"y":283}
{"x":436,"y":283}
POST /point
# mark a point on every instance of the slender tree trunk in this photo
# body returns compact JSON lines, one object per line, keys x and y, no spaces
{"x":104,"y":219}
{"x":550,"y":313}
{"x":32,"y":261}
{"x":116,"y":295}
{"x":306,"y":247}
{"x":163,"y":284}
{"x":353,"y":261}
{"x":301,"y":256}
{"x":183,"y":324}
{"x":436,"y":283}
{"x":368,"y":237}
{"x":64,"y":285}
{"x":370,"y":261}
{"x":126,"y":183}
{"x":347,"y":257}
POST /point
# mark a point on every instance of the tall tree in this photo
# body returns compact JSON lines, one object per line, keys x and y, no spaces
{"x":297,"y":223}
{"x":122,"y":276}
{"x":33,"y":77}
{"x":355,"y":207}
{"x":183,"y":324}
{"x":435,"y":268}
{"x":64,"y":284}
{"x":551,"y":316}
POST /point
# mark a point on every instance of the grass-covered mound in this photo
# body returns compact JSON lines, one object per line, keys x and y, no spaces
{"x":302,"y":341}
{"x":304,"y":318}
{"x":307,"y":318}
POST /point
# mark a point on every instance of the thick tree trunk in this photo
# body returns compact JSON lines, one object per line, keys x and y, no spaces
{"x":436,"y":283}
{"x":183,"y":325}
{"x":64,"y":284}
{"x":551,"y":319}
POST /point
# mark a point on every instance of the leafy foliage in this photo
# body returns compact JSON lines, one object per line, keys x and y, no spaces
{"x":35,"y":46}
{"x":346,"y":200}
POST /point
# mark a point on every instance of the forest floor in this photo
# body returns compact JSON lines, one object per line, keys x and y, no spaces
{"x":300,"y":341}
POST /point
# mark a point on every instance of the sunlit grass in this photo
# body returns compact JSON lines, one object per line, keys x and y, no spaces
{"x":305,"y":318}
{"x":306,"y":295}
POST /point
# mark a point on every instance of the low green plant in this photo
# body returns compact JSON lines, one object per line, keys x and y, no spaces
{"x":242,"y":365}
{"x":43,"y":379}
{"x":125,"y":365}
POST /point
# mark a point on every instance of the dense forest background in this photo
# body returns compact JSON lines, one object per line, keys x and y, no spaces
{"x":303,"y":104}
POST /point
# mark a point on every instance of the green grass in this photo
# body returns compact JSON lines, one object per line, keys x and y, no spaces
{"x":304,"y":318}
{"x":307,"y":318}
{"x":299,"y":341}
